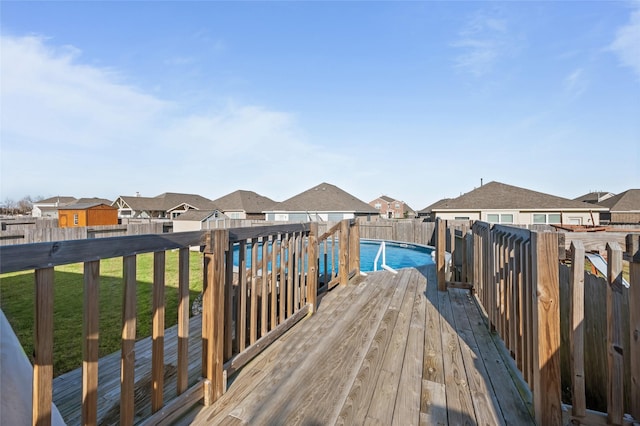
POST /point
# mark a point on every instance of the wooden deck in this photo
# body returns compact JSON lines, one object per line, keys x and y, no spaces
{"x":390,"y":350}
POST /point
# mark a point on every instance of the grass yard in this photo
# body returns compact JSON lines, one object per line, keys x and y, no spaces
{"x":17,"y":300}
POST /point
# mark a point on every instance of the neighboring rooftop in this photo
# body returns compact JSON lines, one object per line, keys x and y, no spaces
{"x":247,"y":201}
{"x":628,"y":201}
{"x":324,"y":198}
{"x":594,"y":197}
{"x":496,"y":195}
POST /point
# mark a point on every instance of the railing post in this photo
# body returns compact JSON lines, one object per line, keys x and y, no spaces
{"x":576,"y":333}
{"x":343,"y":264}
{"x":547,"y":396}
{"x":213,"y":289}
{"x":615,"y":385}
{"x":633,"y":251}
{"x":354,"y":247}
{"x":441,"y":245}
{"x":312,"y":272}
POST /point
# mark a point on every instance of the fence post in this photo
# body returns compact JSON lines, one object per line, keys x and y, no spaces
{"x":576,"y":333}
{"x":547,"y":396}
{"x":213,"y":289}
{"x":615,"y":385}
{"x":633,"y":250}
{"x":441,"y":245}
{"x":343,"y":263}
{"x":312,"y":272}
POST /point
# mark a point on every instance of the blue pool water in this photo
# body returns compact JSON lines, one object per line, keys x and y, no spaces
{"x":398,"y":255}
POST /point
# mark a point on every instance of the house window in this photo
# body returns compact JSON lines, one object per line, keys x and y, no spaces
{"x":543,"y":218}
{"x":397,"y":205}
{"x":378,"y":206}
{"x":506,"y":218}
{"x":75,"y":219}
{"x":461,"y":218}
{"x":500,"y":218}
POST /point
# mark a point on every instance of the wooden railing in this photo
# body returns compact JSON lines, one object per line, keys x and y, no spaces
{"x":244,"y":308}
{"x":339,"y":249}
{"x":516,"y":279}
{"x":43,"y":257}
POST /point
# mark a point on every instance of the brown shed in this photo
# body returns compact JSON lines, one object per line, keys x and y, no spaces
{"x":91,"y":214}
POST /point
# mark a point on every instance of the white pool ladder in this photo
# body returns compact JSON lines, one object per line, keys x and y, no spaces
{"x":382,"y":250}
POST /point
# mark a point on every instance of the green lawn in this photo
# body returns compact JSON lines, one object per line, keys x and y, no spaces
{"x":17,"y":300}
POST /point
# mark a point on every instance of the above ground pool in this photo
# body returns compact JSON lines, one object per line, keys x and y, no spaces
{"x":398,"y":255}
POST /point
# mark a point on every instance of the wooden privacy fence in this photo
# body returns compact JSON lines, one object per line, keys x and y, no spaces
{"x":42,"y":234}
{"x":244,"y":307}
{"x":516,"y":277}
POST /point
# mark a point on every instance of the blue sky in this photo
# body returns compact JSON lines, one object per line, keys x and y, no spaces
{"x":415,"y":100}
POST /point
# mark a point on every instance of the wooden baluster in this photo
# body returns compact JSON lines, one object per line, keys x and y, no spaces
{"x":576,"y":333}
{"x":128,"y":355}
{"x":90,"y":354}
{"x":157,"y":353}
{"x":43,"y":347}
{"x":312,"y":272}
{"x":183,"y":320}
{"x":615,"y":394}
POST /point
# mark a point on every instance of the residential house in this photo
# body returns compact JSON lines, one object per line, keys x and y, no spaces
{"x":90,"y":214}
{"x":196,"y":220}
{"x":164,"y":206}
{"x":427,"y":212}
{"x":48,"y":208}
{"x":595,"y":197}
{"x":93,"y":200}
{"x":392,"y":208}
{"x":497,"y":202}
{"x":242,"y":204}
{"x":324,"y":202}
{"x":623,"y":208}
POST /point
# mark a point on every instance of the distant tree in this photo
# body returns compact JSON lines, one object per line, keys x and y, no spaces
{"x":25,"y":205}
{"x":8,"y":207}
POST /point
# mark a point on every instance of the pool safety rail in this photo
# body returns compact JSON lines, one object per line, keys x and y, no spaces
{"x":383,"y":251}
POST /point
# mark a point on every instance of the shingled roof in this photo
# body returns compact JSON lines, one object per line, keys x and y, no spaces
{"x":57,"y":199}
{"x":435,"y":205}
{"x":500,"y":196}
{"x":168,"y":201}
{"x":247,"y":201}
{"x":324,"y":198}
{"x":628,"y":201}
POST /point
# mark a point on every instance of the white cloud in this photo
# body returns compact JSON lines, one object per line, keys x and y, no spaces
{"x":575,"y":83}
{"x":483,"y":41}
{"x":627,"y":42}
{"x":75,"y":129}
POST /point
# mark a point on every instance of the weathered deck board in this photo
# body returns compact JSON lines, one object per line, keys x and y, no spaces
{"x":389,"y":350}
{"x":67,"y":388}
